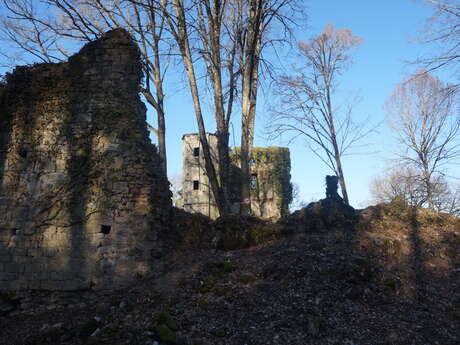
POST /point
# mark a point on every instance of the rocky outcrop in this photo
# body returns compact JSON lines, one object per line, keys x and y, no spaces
{"x":82,"y":198}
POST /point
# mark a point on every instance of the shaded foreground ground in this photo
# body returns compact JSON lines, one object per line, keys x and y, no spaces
{"x":391,"y":277}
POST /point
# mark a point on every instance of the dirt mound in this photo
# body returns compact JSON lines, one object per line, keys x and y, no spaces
{"x":390,"y":277}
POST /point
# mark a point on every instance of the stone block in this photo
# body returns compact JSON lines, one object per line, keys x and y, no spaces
{"x":8,"y":276}
{"x":33,"y":252}
{"x":57,"y":276}
{"x":22,"y":259}
{"x":48,"y":285}
{"x":42,"y":275}
{"x":5,"y":258}
{"x":14,"y":267}
{"x":3,"y":250}
{"x":33,"y":268}
{"x":35,"y":285}
{"x":17,"y":251}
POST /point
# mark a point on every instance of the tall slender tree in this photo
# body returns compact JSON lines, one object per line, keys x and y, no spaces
{"x":306,"y":100}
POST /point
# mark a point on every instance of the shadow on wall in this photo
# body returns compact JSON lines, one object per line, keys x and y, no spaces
{"x":84,"y":192}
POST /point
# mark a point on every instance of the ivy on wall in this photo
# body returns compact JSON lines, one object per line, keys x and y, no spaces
{"x":272,"y":166}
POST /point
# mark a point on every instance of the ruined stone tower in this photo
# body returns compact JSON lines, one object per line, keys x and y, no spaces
{"x":196,"y":193}
{"x":82,"y":198}
{"x":271,"y":189}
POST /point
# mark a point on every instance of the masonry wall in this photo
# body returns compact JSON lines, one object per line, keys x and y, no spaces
{"x":82,"y":198}
{"x":271,"y":189}
{"x":197,"y":196}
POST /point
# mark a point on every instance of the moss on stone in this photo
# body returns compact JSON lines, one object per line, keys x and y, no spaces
{"x":166,"y":319}
{"x":276,"y":162}
{"x":165,"y":334}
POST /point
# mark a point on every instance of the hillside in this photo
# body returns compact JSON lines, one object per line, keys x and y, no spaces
{"x":385,"y":275}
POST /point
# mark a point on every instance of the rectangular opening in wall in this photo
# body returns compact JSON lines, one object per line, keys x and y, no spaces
{"x":196,"y":184}
{"x":253,"y":181}
{"x":196,"y":152}
{"x":105,"y":229}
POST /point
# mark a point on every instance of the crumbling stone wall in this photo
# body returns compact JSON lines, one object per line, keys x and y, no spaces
{"x":82,"y":198}
{"x":196,"y":194}
{"x":270,"y":169}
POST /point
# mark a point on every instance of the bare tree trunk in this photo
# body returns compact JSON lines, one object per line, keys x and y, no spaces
{"x":161,"y":130}
{"x":215,"y":72}
{"x":337,"y":155}
{"x":160,"y":95}
{"x":428,"y":185}
{"x":342,"y":180}
{"x":182,"y":39}
{"x":250,"y":67}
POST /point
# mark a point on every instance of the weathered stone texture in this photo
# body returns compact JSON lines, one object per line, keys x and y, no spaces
{"x":81,"y":194}
{"x":271,"y":189}
{"x":197,"y":196}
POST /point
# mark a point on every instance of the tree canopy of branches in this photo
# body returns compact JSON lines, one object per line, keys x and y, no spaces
{"x":228,"y":37}
{"x":421,"y":111}
{"x":46,"y":31}
{"x":400,"y":183}
{"x":443,"y":32}
{"x":306,"y":105}
{"x":405,"y":184}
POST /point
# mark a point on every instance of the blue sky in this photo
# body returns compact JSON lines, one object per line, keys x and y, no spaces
{"x":388,"y":28}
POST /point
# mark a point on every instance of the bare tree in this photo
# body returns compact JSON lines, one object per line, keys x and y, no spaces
{"x":197,"y":27}
{"x":443,"y":32}
{"x":421,"y":112}
{"x":175,"y":182}
{"x":404,"y":183}
{"x":401,"y":183}
{"x":306,"y":105}
{"x":297,"y":202}
{"x":227,"y":36}
{"x":256,"y":18}
{"x":446,"y":197}
{"x":46,"y":29}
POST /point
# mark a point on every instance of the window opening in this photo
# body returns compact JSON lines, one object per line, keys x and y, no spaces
{"x":105,"y":229}
{"x":196,"y":152}
{"x":196,"y":184}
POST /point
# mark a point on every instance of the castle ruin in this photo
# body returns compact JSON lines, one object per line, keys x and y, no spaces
{"x":82,"y":196}
{"x":271,"y":189}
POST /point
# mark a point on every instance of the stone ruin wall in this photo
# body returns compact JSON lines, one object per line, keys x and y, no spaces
{"x":82,"y":198}
{"x":270,"y":195}
{"x":202,"y":199}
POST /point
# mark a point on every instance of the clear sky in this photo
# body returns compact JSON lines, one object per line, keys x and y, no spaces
{"x":388,"y":28}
